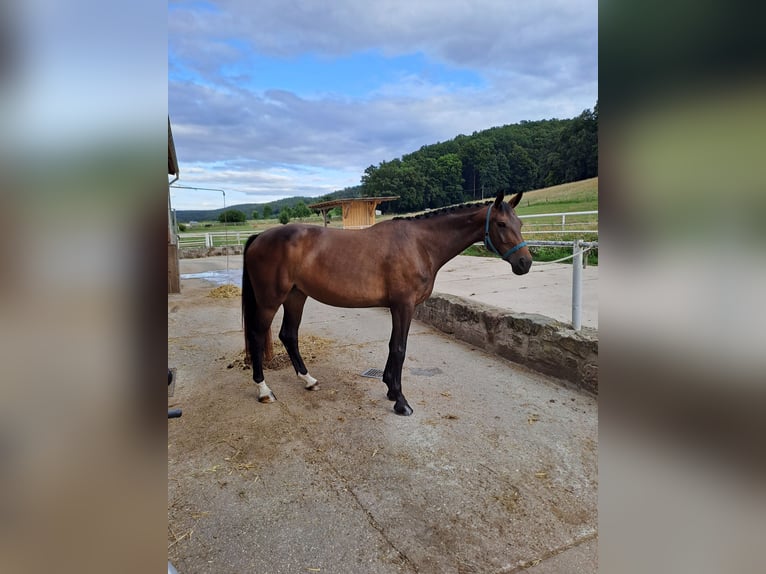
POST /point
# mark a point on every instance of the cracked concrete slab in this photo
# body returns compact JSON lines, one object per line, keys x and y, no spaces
{"x":496,"y":470}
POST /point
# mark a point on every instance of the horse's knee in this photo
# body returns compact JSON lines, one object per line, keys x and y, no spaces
{"x":397,"y":351}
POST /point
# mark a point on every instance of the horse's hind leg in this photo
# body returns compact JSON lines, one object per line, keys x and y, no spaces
{"x":256,"y":336}
{"x":288,"y":334}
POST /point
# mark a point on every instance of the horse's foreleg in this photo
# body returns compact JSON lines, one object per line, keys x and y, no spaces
{"x":288,"y":334}
{"x":397,"y":347}
{"x":257,"y":344}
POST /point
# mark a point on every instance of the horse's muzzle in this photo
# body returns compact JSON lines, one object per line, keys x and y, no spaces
{"x":521,"y":265}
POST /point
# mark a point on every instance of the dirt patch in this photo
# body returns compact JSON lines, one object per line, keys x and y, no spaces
{"x":252,"y":487}
{"x":226,"y":445}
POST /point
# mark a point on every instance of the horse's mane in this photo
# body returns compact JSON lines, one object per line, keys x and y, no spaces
{"x":443,"y":210}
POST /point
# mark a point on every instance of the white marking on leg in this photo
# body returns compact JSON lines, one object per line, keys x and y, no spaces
{"x":311,"y":382}
{"x":264,"y":393}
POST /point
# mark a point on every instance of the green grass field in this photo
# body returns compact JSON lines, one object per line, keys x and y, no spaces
{"x":574,"y":193}
{"x":575,"y":196}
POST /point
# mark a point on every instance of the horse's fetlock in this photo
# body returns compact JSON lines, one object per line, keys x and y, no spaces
{"x":310,"y":382}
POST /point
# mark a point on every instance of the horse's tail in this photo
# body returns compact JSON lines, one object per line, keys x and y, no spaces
{"x":250,"y":307}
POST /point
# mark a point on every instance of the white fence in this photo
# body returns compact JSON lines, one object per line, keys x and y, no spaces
{"x":579,"y":247}
{"x":530,"y":229}
{"x":213,"y":238}
{"x":224,"y":238}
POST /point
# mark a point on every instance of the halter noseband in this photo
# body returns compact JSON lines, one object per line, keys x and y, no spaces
{"x":488,"y":241}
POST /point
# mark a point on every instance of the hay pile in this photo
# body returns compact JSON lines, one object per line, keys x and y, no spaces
{"x":311,"y":348}
{"x":225,"y":292}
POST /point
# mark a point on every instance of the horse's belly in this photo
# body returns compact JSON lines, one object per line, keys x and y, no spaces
{"x":342,"y":293}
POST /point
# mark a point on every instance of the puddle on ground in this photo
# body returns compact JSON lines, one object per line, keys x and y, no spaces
{"x":426,"y":372}
{"x":221,"y":277}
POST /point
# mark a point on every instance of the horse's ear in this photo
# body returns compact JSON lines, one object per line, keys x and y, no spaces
{"x":499,"y":199}
{"x":514,"y":201}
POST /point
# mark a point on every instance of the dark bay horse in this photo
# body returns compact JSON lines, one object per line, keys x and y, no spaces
{"x":392,"y":264}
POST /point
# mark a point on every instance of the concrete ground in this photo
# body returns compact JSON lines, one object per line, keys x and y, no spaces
{"x":496,"y":470}
{"x":545,"y":290}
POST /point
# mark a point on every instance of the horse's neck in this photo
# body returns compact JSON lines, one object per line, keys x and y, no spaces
{"x":446,"y":236}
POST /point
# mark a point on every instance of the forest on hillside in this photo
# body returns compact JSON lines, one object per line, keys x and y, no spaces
{"x":517,"y":157}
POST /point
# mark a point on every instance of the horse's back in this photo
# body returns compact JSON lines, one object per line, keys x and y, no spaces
{"x":301,"y":241}
{"x":344,"y":268}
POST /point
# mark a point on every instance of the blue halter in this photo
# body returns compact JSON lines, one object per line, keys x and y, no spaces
{"x":488,"y":241}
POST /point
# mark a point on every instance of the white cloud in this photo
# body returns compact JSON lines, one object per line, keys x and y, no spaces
{"x":537,"y":59}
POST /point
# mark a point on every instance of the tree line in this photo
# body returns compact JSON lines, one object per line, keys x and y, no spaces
{"x":285,"y":214}
{"x":250,"y":210}
{"x":517,"y":157}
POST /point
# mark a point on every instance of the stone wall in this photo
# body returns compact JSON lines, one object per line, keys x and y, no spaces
{"x":538,"y":342}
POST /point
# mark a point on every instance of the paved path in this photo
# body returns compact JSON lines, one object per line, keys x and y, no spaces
{"x":495,"y":472}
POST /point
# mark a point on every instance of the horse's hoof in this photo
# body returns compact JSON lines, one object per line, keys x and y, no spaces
{"x":314,"y":387}
{"x":404,"y":410}
{"x":270,"y":398}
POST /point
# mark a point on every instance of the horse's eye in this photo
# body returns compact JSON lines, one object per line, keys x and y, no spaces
{"x":501,"y":223}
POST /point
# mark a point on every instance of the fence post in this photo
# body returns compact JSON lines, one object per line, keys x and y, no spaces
{"x":208,"y":240}
{"x":577,"y":285}
{"x":563,"y":222}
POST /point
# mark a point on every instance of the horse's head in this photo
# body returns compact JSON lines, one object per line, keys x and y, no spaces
{"x":502,"y":233}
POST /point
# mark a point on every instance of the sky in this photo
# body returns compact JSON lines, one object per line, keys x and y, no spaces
{"x":273,"y":99}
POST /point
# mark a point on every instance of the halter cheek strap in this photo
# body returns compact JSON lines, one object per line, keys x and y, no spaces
{"x":488,"y":242}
